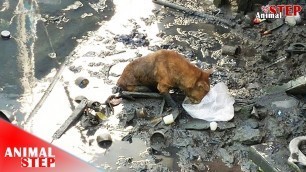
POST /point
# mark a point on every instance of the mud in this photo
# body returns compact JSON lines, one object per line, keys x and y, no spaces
{"x":260,"y":116}
{"x":245,"y":74}
{"x":43,"y":34}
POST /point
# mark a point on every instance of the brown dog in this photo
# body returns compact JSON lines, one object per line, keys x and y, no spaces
{"x":165,"y":69}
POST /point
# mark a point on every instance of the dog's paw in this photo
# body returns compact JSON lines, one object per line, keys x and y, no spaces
{"x":116,"y":89}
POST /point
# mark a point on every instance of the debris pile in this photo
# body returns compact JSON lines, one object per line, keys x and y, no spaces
{"x":263,"y":65}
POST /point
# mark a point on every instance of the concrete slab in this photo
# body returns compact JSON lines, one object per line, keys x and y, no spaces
{"x":297,"y":86}
{"x":261,"y":155}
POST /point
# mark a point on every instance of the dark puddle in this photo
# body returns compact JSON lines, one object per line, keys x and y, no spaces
{"x":59,"y":33}
{"x":171,"y":160}
{"x":121,"y":149}
{"x":208,"y":32}
{"x":170,"y":28}
{"x":219,"y":166}
{"x":55,"y":38}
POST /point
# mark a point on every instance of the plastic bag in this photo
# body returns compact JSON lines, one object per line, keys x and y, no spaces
{"x":217,"y":105}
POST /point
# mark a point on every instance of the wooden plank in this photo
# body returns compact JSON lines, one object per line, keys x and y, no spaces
{"x":76,"y":114}
{"x":141,"y":94}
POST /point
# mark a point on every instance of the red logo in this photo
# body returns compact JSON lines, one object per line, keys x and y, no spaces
{"x":278,"y":11}
{"x":287,"y":10}
{"x":32,"y":156}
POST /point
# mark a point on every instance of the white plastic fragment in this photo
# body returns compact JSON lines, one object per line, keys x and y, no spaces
{"x":217,"y":105}
{"x":213,"y":126}
{"x":290,"y":20}
{"x":297,"y":18}
{"x":5,"y":34}
{"x":168,"y":119}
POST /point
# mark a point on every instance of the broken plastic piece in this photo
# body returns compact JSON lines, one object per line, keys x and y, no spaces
{"x":213,"y":126}
{"x":290,"y":20}
{"x":101,"y":116}
{"x":231,"y":50}
{"x":5,"y":34}
{"x":81,"y":82}
{"x":168,"y":119}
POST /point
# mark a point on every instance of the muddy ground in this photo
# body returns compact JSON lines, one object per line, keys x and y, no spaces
{"x":263,"y":112}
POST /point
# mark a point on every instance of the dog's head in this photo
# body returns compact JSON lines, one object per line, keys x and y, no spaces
{"x":201,"y":87}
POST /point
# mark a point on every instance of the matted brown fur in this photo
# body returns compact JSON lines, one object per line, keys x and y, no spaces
{"x":166,"y":69}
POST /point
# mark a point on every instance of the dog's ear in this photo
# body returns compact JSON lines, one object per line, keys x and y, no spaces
{"x":204,"y":85}
{"x":209,"y":71}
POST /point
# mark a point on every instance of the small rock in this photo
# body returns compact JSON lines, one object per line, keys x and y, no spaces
{"x":253,"y":85}
{"x":226,"y":157}
{"x":252,"y":123}
{"x":249,"y":166}
{"x":76,"y":69}
{"x":196,"y":124}
{"x":276,"y":128}
{"x":183,"y":142}
{"x":286,"y":103}
{"x":225,"y":125}
{"x":245,"y":112}
{"x":262,"y":112}
{"x":247,"y":135}
{"x":255,"y":112}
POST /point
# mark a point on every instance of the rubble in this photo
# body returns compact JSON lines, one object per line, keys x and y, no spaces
{"x":226,"y":157}
{"x":260,"y":78}
{"x":261,"y":155}
{"x":247,"y":135}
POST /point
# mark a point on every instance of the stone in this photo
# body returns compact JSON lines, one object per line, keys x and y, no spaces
{"x":270,"y":157}
{"x":262,"y":112}
{"x":252,"y":123}
{"x":226,"y":157}
{"x":276,"y":128}
{"x":297,"y":86}
{"x":117,"y":69}
{"x":196,"y":124}
{"x":247,"y":135}
{"x":286,"y":104}
{"x":255,"y":112}
{"x":245,"y":112}
{"x":225,"y":125}
{"x":253,"y":85}
{"x":249,"y":166}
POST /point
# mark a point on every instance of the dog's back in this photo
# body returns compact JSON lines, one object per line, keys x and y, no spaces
{"x":165,"y":69}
